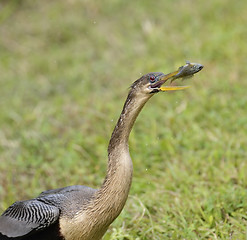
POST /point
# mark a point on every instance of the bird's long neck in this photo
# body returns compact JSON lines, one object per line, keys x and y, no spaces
{"x":92,"y":221}
{"x":113,"y":194}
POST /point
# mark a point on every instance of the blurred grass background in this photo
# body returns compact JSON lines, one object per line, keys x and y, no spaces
{"x":65,"y":71}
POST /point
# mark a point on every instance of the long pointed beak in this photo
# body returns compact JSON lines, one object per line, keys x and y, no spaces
{"x":172,"y":88}
{"x":169,"y":75}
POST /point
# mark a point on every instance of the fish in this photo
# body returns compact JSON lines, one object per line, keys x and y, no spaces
{"x":187,"y":71}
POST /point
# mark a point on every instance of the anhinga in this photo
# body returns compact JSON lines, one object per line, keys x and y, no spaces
{"x":83,"y":213}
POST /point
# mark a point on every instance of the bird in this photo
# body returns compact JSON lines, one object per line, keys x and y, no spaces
{"x":80,"y":212}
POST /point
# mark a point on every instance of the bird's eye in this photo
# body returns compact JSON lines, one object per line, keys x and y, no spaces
{"x":152,"y":79}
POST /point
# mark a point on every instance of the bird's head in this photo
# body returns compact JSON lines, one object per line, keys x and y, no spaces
{"x":152,"y":83}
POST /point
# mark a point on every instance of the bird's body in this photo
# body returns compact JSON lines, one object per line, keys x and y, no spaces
{"x":79,"y":212}
{"x":53,"y":204}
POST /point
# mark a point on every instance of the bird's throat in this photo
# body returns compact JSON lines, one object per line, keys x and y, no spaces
{"x":113,"y":194}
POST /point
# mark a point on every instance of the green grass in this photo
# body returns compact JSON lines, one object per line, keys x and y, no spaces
{"x":65,"y":71}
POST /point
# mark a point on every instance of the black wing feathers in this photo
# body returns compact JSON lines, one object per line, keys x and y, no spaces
{"x":25,"y":217}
